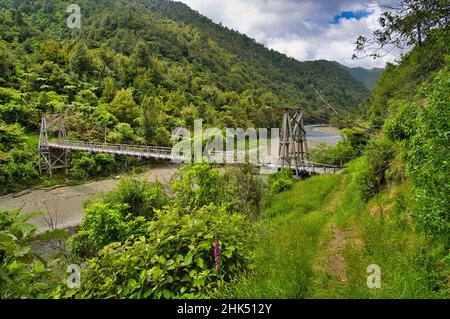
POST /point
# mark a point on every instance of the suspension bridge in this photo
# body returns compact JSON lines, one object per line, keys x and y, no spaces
{"x":292,"y":153}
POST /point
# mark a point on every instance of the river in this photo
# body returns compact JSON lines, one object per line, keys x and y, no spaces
{"x":64,"y":206}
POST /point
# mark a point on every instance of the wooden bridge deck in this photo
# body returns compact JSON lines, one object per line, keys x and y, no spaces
{"x":165,"y":153}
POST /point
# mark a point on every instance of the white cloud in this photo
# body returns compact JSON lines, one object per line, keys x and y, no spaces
{"x":298,"y":28}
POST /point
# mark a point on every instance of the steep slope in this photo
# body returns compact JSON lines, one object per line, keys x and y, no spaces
{"x":136,"y":70}
{"x":284,"y":72}
{"x":368,"y":77}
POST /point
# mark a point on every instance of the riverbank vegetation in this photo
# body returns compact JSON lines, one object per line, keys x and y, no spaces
{"x":214,"y":233}
{"x":136,"y":71}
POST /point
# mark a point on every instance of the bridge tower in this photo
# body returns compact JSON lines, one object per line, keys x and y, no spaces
{"x":293,"y":143}
{"x":52,"y":159}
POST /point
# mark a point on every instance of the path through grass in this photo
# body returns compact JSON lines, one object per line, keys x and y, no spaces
{"x":291,"y":228}
{"x":317,"y":240}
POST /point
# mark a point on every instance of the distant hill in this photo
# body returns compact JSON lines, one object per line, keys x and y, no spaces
{"x":368,"y":77}
{"x":284,"y":75}
{"x":184,"y":64}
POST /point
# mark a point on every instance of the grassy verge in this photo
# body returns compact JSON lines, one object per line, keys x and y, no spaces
{"x":381,"y":232}
{"x":290,"y":229}
{"x":317,"y":240}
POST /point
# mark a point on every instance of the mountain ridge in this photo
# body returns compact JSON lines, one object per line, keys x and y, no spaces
{"x":368,"y":77}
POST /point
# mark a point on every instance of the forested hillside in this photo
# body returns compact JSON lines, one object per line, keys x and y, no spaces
{"x":367,"y":76}
{"x":225,"y":232}
{"x":137,"y":70}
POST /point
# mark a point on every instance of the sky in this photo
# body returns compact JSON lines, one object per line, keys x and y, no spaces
{"x":303,"y":29}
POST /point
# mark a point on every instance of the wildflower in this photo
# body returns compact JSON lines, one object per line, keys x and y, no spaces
{"x":216,"y":254}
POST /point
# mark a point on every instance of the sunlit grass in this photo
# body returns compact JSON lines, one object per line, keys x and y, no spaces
{"x":290,"y":231}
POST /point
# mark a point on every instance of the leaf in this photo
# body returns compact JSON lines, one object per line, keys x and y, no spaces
{"x":22,"y":252}
{"x":188,"y":259}
{"x":6,"y":238}
{"x":55,"y":234}
{"x":200,"y":262}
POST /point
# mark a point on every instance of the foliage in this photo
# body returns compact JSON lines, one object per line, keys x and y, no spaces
{"x":104,"y":224}
{"x":378,"y":157}
{"x":17,"y":159}
{"x":337,"y":154}
{"x":405,"y":23}
{"x":244,"y":190}
{"x":23,"y":274}
{"x":142,"y":244}
{"x":83,"y":166}
{"x":428,"y":155}
{"x":174,"y":260}
{"x":140,"y":197}
{"x":281,"y":181}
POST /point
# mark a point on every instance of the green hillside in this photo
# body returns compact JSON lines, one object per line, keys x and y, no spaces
{"x":140,"y":69}
{"x":378,"y":229}
{"x":368,"y":77}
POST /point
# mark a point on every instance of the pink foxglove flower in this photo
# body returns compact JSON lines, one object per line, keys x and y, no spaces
{"x":216,"y":254}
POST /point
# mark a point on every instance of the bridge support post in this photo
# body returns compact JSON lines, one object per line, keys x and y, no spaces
{"x":293,"y":144}
{"x":52,"y":159}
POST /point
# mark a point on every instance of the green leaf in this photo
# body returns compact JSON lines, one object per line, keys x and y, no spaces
{"x":55,"y":234}
{"x":5,"y":238}
{"x":200,"y":262}
{"x":188,"y":259}
{"x":22,"y":252}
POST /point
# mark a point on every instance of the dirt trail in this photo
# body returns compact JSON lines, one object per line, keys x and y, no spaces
{"x":330,"y":259}
{"x":65,"y":204}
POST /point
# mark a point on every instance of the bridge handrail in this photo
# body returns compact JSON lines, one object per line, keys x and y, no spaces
{"x":121,"y":147}
{"x":155,"y":149}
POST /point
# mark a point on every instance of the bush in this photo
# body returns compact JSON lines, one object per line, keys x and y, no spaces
{"x":378,"y":156}
{"x":337,"y":154}
{"x":140,"y":197}
{"x":174,"y":259}
{"x":244,"y":190}
{"x":281,"y":181}
{"x":17,"y":160}
{"x":23,"y":274}
{"x":123,"y":212}
{"x":428,"y":158}
{"x":83,"y":168}
{"x":104,"y":224}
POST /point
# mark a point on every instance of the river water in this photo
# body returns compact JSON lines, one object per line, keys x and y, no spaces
{"x":65,"y":205}
{"x":316,"y":134}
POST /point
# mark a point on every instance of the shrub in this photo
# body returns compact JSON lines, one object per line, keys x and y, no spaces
{"x":244,"y":190}
{"x":281,"y":181}
{"x":337,"y":154}
{"x":23,"y":274}
{"x":379,"y":156}
{"x":173,"y":260}
{"x":83,"y":168}
{"x":428,"y":158}
{"x":17,"y":160}
{"x":140,"y":197}
{"x":104,"y":224}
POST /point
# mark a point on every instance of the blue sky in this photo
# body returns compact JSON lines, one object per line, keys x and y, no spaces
{"x":358,"y":15}
{"x":303,"y":29}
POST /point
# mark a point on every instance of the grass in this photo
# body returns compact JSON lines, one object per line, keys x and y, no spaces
{"x":381,"y":232}
{"x":289,"y":236}
{"x":297,"y":248}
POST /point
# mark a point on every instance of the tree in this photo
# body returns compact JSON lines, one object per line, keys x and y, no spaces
{"x":109,"y":89}
{"x":405,"y":23}
{"x":151,"y":109}
{"x":87,"y":97}
{"x":80,"y":59}
{"x":124,"y":107}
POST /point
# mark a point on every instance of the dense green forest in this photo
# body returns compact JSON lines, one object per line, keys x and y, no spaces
{"x":138,"y":70}
{"x":221,"y":233}
{"x":367,"y":76}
